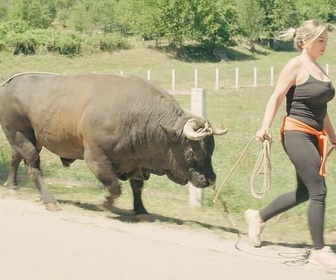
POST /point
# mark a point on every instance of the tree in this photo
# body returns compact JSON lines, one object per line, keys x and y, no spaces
{"x":203,"y":22}
{"x":315,"y":9}
{"x":140,"y":17}
{"x":251,"y":19}
{"x":176,"y":19}
{"x":88,"y":15}
{"x":285,"y":15}
{"x":279,"y":15}
{"x":4,"y":8}
{"x":63,"y":8}
{"x":212,"y":23}
{"x":37,"y":13}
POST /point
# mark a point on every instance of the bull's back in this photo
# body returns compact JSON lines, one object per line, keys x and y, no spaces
{"x":63,"y":110}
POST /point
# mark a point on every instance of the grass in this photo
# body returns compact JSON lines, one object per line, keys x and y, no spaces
{"x":241,"y":110}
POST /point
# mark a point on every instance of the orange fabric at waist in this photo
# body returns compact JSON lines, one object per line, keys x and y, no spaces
{"x":293,"y":124}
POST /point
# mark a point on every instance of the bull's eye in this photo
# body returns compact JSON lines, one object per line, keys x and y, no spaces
{"x":190,"y":154}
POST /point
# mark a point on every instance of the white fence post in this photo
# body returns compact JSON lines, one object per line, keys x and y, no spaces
{"x":237,"y":78}
{"x":217,"y":79}
{"x":255,"y":76}
{"x":148,"y":75}
{"x":198,"y":108}
{"x":327,"y":69}
{"x":173,"y":80}
{"x":196,"y":78}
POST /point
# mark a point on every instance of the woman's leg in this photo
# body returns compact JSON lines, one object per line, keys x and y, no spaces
{"x":285,"y":201}
{"x":302,"y":150}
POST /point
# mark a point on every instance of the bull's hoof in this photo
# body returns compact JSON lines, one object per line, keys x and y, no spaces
{"x":52,"y":206}
{"x":103,"y":206}
{"x":110,"y":199}
{"x":106,"y":204}
{"x":10,"y":184}
{"x":143,"y":218}
{"x":14,"y":192}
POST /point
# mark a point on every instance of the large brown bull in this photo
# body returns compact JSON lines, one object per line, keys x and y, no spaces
{"x":122,"y":126}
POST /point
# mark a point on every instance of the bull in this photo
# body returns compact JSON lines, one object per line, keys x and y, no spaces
{"x":123,"y":127}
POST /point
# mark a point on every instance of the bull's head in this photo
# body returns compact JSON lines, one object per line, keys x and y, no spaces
{"x":190,"y":157}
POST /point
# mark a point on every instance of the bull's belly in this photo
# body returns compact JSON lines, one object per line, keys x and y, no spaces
{"x":65,"y":152}
{"x":58,"y":137}
{"x":63,"y":148}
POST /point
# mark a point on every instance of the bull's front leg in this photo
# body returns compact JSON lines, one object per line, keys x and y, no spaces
{"x":101,"y":167}
{"x":141,"y":213}
{"x":30,"y":154}
{"x":137,"y":187}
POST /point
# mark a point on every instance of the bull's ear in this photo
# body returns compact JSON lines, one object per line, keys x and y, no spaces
{"x":171,"y":133}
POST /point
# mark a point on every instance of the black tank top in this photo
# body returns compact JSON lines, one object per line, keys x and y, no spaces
{"x":308,"y":102}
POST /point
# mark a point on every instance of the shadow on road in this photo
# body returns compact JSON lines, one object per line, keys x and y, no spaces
{"x":127,"y":216}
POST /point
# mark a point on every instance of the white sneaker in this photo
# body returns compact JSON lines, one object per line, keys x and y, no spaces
{"x":325,"y":258}
{"x":254,"y":227}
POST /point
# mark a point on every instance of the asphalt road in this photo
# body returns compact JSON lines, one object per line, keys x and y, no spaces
{"x":39,"y":245}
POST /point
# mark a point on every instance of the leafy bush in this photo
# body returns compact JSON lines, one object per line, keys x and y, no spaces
{"x":17,"y":26}
{"x":40,"y":41}
{"x":64,"y":43}
{"x":23,"y":43}
{"x":105,"y":43}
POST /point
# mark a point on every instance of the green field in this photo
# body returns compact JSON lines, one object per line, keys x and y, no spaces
{"x":240,"y":110}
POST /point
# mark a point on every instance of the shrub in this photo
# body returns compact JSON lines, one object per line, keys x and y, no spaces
{"x":105,"y":43}
{"x":40,"y":41}
{"x":16,"y":26}
{"x":65,"y":43}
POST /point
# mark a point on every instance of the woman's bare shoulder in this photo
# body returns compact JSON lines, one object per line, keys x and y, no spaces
{"x":294,"y":62}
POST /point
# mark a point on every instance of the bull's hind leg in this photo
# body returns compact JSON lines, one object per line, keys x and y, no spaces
{"x":30,"y":154}
{"x":11,"y":181}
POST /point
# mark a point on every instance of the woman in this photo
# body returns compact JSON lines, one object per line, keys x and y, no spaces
{"x":304,"y":133}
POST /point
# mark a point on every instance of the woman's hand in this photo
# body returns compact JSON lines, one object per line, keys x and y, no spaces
{"x":263,"y":134}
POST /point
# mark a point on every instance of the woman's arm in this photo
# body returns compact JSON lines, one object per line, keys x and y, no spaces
{"x":287,"y":78}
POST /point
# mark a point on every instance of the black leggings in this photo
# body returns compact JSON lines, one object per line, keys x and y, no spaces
{"x":302,"y":150}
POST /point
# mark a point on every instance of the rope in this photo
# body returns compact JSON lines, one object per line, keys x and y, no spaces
{"x":262,"y":166}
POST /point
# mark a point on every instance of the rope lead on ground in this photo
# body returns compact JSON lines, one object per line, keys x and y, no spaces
{"x":262,"y":166}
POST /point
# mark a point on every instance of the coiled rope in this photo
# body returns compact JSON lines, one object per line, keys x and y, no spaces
{"x":262,"y":166}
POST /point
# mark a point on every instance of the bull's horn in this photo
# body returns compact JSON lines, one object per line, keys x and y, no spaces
{"x":190,"y":132}
{"x":218,"y":131}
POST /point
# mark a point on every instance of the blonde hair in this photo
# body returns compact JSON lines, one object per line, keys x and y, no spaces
{"x":308,"y":31}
